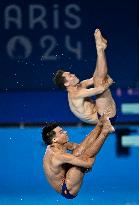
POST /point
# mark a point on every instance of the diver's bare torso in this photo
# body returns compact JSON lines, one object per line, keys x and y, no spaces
{"x":87,"y":110}
{"x":83,"y":108}
{"x":54,"y":173}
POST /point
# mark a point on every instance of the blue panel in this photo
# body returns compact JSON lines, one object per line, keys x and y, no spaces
{"x":113,"y":179}
{"x":53,"y":106}
{"x":62,"y":32}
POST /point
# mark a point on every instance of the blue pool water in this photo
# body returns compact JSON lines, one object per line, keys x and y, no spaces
{"x":114,"y":179}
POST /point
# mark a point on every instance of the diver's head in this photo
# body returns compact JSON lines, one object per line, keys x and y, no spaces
{"x":65,"y":79}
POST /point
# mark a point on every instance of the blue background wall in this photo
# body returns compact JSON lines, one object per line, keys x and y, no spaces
{"x":39,"y":107}
{"x":31,"y":52}
{"x":39,"y":37}
{"x":113,"y":180}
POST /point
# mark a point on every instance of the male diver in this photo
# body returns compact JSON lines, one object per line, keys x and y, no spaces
{"x":79,"y":94}
{"x":65,"y":171}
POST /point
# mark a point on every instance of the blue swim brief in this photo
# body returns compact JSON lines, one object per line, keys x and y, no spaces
{"x":65,"y":192}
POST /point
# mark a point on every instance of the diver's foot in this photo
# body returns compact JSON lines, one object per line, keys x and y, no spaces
{"x":108,"y":126}
{"x":104,"y":119}
{"x":101,"y":43}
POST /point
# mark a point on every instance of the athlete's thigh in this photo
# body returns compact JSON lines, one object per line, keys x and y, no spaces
{"x":74,"y":177}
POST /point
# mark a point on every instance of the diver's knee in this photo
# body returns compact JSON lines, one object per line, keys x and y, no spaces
{"x":99,"y":80}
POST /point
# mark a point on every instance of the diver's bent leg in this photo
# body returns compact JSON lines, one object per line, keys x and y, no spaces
{"x":101,"y":64}
{"x":91,"y":137}
{"x":96,"y":146}
{"x":93,"y":148}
